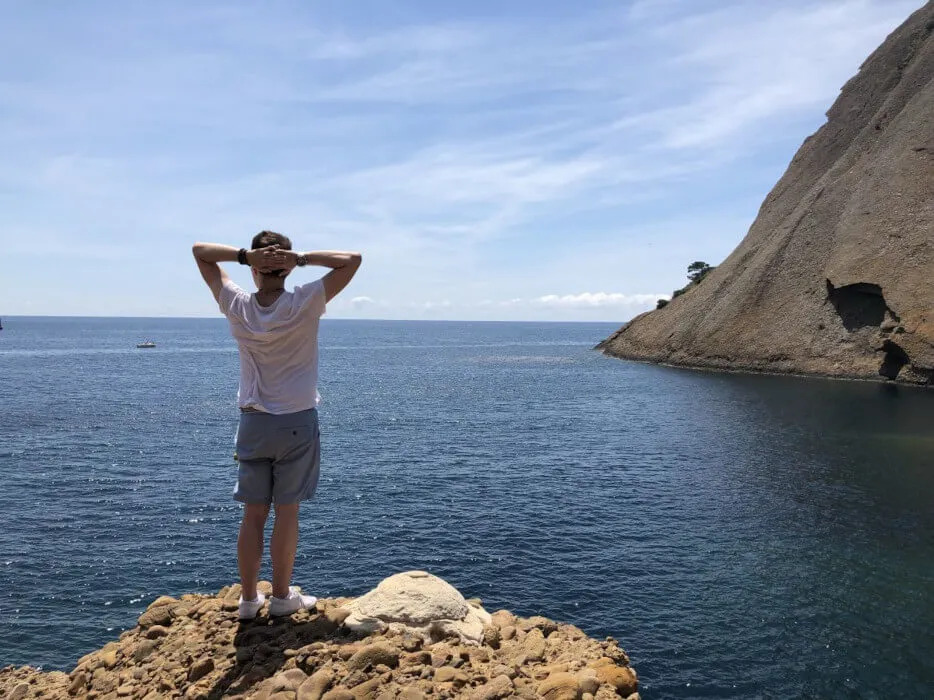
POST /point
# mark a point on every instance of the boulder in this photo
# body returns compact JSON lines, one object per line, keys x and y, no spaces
{"x":372,"y":655}
{"x":416,"y":602}
{"x":560,"y":686}
{"x":159,"y":612}
{"x":623,"y":678}
{"x":315,"y":686}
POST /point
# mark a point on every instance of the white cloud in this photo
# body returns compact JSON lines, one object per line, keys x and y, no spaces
{"x":598,"y":299}
{"x":740,"y":66}
{"x":486,"y":158}
{"x":583,"y":306}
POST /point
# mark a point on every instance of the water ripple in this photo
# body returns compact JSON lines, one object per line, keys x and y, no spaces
{"x":741,"y":536}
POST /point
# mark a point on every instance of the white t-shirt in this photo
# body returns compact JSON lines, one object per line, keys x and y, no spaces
{"x":278,"y":346}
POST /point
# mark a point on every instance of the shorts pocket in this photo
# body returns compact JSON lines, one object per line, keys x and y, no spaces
{"x":295,"y":439}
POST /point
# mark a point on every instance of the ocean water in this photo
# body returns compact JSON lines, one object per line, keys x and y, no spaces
{"x":741,"y":536}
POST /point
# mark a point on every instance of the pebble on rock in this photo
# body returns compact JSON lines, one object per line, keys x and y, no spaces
{"x":373,"y":655}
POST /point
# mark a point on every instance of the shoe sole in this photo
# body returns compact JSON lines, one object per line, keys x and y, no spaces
{"x":246,"y":618}
{"x":292,"y":612}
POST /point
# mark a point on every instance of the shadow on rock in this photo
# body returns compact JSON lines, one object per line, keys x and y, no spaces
{"x":264,"y":645}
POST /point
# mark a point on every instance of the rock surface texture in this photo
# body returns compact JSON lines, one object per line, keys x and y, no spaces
{"x":836,"y":275}
{"x":194,"y":647}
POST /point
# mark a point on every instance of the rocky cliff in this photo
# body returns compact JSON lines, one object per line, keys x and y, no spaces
{"x":413,"y":637}
{"x":836,"y":274}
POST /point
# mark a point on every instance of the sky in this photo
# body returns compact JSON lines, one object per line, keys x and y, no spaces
{"x":523,"y":160}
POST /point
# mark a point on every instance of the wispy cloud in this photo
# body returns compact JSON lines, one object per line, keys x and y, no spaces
{"x":746,"y":66}
{"x":598,"y":299}
{"x":470,"y":155}
{"x":583,"y":306}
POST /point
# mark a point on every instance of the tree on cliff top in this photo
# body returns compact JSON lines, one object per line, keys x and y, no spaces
{"x":698,"y":271}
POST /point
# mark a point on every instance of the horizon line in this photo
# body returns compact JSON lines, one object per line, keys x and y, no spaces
{"x":323,"y":318}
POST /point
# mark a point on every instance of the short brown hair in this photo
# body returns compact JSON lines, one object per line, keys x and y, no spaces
{"x":264,"y":239}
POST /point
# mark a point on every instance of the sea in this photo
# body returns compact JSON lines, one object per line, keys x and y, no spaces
{"x":741,"y":536}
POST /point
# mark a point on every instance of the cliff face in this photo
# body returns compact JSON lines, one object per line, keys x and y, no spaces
{"x":836,"y":274}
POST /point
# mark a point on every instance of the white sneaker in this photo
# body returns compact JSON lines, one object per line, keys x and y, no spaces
{"x":249,"y":608}
{"x":295,"y":602}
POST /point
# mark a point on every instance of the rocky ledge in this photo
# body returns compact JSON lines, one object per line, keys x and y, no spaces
{"x":412,"y":637}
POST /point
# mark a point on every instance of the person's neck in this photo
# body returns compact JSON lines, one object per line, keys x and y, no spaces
{"x":267,"y":295}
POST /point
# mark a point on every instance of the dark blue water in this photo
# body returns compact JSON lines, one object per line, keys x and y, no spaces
{"x":741,"y":536}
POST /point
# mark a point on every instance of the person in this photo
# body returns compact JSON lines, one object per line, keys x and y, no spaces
{"x":278,"y":441}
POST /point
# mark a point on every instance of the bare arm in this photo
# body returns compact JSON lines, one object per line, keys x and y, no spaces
{"x":343,"y":264}
{"x":208,"y":255}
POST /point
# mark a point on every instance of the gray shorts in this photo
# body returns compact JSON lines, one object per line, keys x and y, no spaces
{"x":280,"y":457}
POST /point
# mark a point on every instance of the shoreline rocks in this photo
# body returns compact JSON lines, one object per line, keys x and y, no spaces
{"x":194,"y":647}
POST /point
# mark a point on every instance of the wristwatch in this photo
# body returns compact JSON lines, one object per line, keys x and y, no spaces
{"x":301,"y":260}
{"x":241,"y":257}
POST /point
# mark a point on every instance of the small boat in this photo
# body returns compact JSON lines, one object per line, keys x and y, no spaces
{"x":147,"y":344}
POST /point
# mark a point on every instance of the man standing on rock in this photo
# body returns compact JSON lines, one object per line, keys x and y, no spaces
{"x":277,"y":439}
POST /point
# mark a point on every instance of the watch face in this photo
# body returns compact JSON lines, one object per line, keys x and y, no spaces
{"x":301,"y":261}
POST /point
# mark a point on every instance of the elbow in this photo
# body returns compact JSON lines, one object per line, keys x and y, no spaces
{"x":197,"y":249}
{"x":356,"y":259}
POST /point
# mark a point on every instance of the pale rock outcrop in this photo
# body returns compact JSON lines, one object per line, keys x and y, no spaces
{"x":418,"y":603}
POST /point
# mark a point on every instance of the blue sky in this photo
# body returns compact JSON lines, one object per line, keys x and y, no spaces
{"x":492,"y":160}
